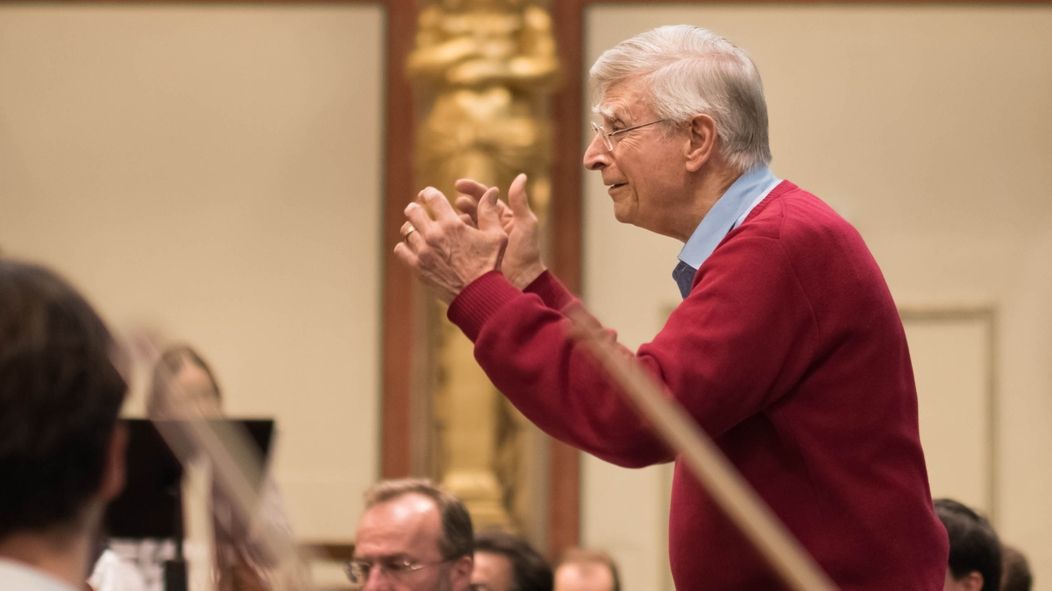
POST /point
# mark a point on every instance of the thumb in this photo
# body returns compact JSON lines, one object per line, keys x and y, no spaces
{"x":488,"y":211}
{"x":520,"y":204}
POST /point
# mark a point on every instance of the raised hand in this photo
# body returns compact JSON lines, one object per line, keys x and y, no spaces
{"x":522,"y":258}
{"x":446,"y":252}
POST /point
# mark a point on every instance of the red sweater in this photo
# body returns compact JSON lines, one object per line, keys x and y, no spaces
{"x":790,"y":353}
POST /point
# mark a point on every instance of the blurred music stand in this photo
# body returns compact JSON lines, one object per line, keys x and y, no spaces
{"x":150,"y":505}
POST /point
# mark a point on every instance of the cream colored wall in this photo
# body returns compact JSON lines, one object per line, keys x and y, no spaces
{"x":928,"y":128}
{"x":215,"y":171}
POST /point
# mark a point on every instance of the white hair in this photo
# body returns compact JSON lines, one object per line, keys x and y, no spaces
{"x":690,"y":71}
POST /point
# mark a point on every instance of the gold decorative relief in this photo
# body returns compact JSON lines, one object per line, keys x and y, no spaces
{"x":483,"y":71}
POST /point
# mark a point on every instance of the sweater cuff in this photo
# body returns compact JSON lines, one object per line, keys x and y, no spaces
{"x":480,"y":300}
{"x":551,"y":291}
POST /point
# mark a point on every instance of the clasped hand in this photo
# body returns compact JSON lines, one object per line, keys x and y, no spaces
{"x":448,"y":250}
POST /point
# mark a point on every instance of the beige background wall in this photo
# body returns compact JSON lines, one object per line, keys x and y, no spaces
{"x":215,"y":172}
{"x":929,"y":129}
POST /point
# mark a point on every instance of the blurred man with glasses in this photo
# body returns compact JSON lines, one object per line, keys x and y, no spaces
{"x":787,"y":348}
{"x":413,"y":536}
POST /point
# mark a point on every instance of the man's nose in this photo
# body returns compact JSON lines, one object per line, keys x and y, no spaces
{"x":596,"y":156}
{"x":375,"y":579}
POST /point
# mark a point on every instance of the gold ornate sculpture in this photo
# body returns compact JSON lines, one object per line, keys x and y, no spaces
{"x":482,"y":70}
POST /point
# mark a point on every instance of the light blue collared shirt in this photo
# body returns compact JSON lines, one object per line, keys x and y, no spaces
{"x":729,"y":211}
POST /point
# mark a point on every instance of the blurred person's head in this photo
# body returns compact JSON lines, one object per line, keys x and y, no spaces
{"x":975,"y":551}
{"x":587,"y":570}
{"x":413,"y":536}
{"x":183,"y":382}
{"x":1015,"y":570}
{"x":505,"y":562}
{"x":61,"y":450}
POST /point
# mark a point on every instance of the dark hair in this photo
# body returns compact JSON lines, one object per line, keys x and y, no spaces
{"x":59,"y":399}
{"x":457,"y":534}
{"x":531,"y":571}
{"x":585,"y":556}
{"x":974,"y":546}
{"x":1016,"y":575}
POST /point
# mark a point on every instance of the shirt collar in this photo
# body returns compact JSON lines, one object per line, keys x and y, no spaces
{"x":727,"y":213}
{"x":720,"y":220}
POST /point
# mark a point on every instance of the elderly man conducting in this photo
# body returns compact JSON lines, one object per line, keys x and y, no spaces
{"x":787,"y":348}
{"x":413,"y":536}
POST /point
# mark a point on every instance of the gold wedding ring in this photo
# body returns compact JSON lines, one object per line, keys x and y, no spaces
{"x":407,"y":231}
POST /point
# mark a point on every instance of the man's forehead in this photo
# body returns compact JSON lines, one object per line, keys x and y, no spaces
{"x":410,"y":509}
{"x":492,"y":571}
{"x":585,"y":576}
{"x":622,"y":101}
{"x":407,"y":522}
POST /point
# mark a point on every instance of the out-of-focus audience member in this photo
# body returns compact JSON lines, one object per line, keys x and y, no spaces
{"x":975,"y":550}
{"x":413,"y":536}
{"x":61,"y":446}
{"x":505,"y":562}
{"x":184,"y":386}
{"x":183,"y":376}
{"x":587,"y":570}
{"x":1015,"y":570}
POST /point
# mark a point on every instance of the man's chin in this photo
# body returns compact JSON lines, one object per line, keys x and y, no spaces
{"x":623,"y":214}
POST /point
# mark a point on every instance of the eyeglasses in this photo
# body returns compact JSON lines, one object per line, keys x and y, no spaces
{"x":608,"y":136}
{"x":395,"y":567}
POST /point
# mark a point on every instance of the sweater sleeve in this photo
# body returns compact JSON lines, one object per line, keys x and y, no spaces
{"x":727,"y":352}
{"x":551,"y":291}
{"x":523,"y":344}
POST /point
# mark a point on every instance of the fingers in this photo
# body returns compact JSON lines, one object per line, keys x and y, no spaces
{"x":471,"y":191}
{"x":489,"y":212}
{"x":417,"y":217}
{"x":436,"y":202}
{"x":467,"y":206}
{"x":505,"y":211}
{"x":406,"y":255}
{"x":517,"y":199}
{"x":475,"y":196}
{"x":406,"y":229}
{"x":471,"y":187}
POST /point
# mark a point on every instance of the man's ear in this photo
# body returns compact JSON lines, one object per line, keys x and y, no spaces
{"x":972,"y":581}
{"x":701,"y":145}
{"x":461,"y":573}
{"x":113,"y":473}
